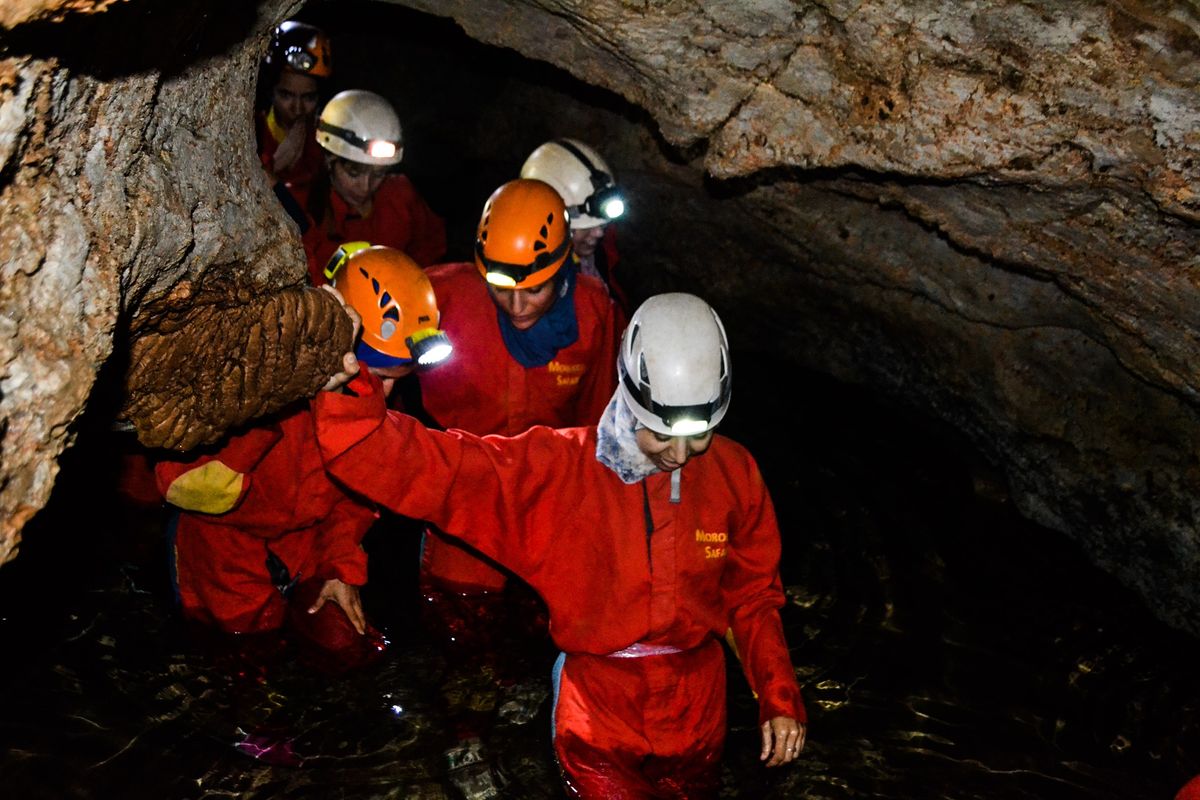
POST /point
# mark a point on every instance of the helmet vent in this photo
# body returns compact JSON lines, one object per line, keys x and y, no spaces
{"x":392,"y":313}
{"x":539,"y":245}
{"x":544,"y":234}
{"x":375,"y":285}
{"x":384,"y":299}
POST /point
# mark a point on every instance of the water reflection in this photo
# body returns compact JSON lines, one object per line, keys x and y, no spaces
{"x":947,"y":650}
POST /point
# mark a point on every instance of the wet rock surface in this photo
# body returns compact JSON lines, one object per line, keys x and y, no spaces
{"x":946,"y":647}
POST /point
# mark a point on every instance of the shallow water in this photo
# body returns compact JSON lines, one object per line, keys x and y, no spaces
{"x":947,"y":649}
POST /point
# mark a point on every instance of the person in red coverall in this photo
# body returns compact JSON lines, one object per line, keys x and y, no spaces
{"x":356,"y":197}
{"x":264,"y":539}
{"x":537,"y":342}
{"x":594,"y":201}
{"x":296,"y":63}
{"x":647,"y":535}
{"x":1190,"y":791}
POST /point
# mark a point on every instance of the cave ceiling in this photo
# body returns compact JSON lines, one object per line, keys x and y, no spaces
{"x":988,"y":211}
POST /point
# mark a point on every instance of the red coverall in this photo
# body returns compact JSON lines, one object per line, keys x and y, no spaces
{"x":265,"y":491}
{"x":617,"y":565}
{"x":399,"y":218}
{"x":299,"y":175}
{"x":483,"y":389}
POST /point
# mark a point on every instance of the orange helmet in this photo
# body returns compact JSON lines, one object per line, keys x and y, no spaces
{"x":524,"y":236}
{"x":395,"y":300}
{"x":300,"y":47}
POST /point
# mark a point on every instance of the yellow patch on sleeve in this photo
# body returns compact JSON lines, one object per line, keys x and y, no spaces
{"x":210,"y":489}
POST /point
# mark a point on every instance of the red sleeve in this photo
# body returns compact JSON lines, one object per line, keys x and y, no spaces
{"x":755,"y":594}
{"x":475,"y":488}
{"x":241,"y":454}
{"x":340,"y":541}
{"x":266,"y":143}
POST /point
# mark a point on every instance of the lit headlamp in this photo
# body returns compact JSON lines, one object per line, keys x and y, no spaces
{"x":606,"y":201}
{"x":429,"y":346}
{"x":375,"y":148}
{"x":506,"y":276}
{"x":688,"y":420}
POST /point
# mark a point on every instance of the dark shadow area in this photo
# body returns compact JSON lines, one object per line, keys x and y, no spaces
{"x":947,"y":647}
{"x":138,"y":36}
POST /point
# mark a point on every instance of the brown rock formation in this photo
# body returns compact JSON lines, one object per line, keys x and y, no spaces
{"x":260,"y":352}
{"x":128,"y":171}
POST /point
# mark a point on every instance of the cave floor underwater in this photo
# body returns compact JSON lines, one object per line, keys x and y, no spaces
{"x":946,"y":648}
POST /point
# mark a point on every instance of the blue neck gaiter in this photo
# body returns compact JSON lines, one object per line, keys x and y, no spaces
{"x":557,"y":328}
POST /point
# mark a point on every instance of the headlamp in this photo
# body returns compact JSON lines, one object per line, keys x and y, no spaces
{"x":379,"y":148}
{"x":429,"y":346}
{"x":686,"y":420}
{"x":500,"y":279}
{"x":376,"y":148}
{"x":506,"y":276}
{"x":299,"y":59}
{"x":689,"y":427}
{"x":605,"y":202}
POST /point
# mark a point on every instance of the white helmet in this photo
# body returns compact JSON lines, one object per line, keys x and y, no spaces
{"x":582,"y":179}
{"x":361,"y":126}
{"x":674,"y":370}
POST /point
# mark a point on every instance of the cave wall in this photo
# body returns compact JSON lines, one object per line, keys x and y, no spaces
{"x":131,"y":203}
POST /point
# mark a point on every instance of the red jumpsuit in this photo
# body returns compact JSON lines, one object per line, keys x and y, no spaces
{"x":265,"y":491}
{"x":617,"y":564}
{"x":399,"y":218}
{"x":483,"y":389}
{"x":311,"y":161}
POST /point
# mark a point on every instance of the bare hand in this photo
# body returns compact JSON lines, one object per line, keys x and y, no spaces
{"x":782,"y":740}
{"x":345,"y":596}
{"x":289,"y":150}
{"x":349,"y":362}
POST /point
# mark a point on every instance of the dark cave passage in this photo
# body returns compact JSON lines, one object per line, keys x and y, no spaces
{"x":946,"y":646}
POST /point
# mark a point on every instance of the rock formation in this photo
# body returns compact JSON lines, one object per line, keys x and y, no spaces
{"x":129,"y":199}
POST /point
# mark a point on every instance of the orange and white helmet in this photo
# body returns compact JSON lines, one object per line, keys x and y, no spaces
{"x":524,"y":235}
{"x":674,"y":371}
{"x":396,"y":302}
{"x":300,"y":47}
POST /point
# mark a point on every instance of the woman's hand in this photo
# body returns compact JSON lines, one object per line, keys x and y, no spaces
{"x":289,"y":150}
{"x":782,"y":740}
{"x":345,"y":596}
